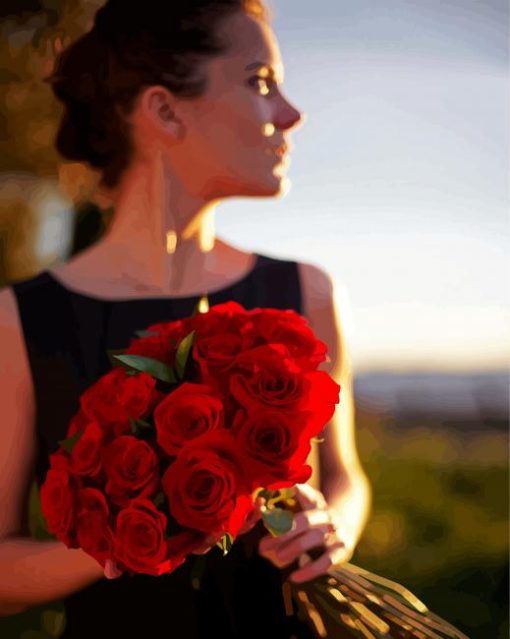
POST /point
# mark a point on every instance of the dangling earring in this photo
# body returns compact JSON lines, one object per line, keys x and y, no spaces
{"x":171,"y":241}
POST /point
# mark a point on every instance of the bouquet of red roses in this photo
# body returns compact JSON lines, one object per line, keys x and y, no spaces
{"x":197,"y":419}
{"x":171,"y":447}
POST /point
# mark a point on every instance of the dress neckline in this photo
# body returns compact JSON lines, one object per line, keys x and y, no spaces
{"x":158,"y":298}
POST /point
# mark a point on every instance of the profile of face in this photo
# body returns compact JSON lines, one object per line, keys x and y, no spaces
{"x":225,"y":142}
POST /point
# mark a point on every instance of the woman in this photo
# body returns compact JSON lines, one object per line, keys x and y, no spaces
{"x":178,"y":105}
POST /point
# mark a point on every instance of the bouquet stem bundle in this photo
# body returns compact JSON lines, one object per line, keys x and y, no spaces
{"x":353,"y":602}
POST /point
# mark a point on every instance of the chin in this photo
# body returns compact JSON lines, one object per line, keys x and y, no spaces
{"x":275,"y":186}
{"x":267,"y":185}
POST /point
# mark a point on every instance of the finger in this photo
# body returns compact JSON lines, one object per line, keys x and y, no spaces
{"x":334,"y":555}
{"x":309,"y":498}
{"x":111,"y":571}
{"x":312,"y":538}
{"x":303,"y":521}
{"x":309,"y":539}
{"x":254,"y":516}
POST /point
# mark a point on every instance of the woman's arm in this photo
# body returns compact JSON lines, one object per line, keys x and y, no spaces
{"x":335,"y":516}
{"x":31,"y":571}
{"x":342,"y":478}
{"x":34,"y":572}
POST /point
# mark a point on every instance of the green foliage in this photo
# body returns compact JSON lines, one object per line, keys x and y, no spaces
{"x":112,"y":352}
{"x":140,"y":428}
{"x":149,"y":365}
{"x":182,"y":354}
{"x":278,"y":521}
{"x":36,"y":520}
{"x":147,"y":333}
{"x":29,"y":111}
{"x":225,"y":543}
{"x":159,"y":499}
{"x":70,"y":442}
{"x":439,"y":518}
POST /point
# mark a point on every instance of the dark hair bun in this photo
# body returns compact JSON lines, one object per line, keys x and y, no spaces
{"x":99,"y":76}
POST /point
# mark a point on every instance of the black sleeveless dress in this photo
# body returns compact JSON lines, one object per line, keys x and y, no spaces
{"x":67,"y":335}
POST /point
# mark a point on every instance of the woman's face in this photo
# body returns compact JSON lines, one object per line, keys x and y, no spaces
{"x":228,"y":136}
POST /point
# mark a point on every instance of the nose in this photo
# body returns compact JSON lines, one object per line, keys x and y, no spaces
{"x":287,"y":116}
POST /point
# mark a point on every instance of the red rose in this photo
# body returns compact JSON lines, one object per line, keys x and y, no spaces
{"x":219,"y":338}
{"x":160,"y":346}
{"x":60,"y":460}
{"x":205,"y":485}
{"x":131,"y":468}
{"x":86,"y":453}
{"x":228,"y":313}
{"x":117,"y":395}
{"x":140,"y":542}
{"x":182,"y":544}
{"x":58,"y":500}
{"x":274,"y":446}
{"x":78,"y":423}
{"x":93,"y":533}
{"x":292,"y":330}
{"x":268,"y":376}
{"x":186,"y":413}
{"x":92,"y":500}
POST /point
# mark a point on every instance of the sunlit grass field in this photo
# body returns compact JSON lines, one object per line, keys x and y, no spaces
{"x":439,"y":521}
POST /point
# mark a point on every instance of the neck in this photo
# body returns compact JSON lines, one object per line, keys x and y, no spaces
{"x":162,"y":236}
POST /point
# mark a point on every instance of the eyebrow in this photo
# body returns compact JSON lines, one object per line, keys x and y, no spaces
{"x":266,"y":65}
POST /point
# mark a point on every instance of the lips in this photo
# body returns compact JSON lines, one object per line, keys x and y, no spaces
{"x":279,"y":151}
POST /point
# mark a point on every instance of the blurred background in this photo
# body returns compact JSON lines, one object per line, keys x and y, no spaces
{"x":399,"y":189}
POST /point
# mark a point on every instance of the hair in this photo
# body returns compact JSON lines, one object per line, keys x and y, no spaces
{"x":130,"y":46}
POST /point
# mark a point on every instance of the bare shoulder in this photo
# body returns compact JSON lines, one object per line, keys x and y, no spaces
{"x":322,"y":299}
{"x":316,"y":287}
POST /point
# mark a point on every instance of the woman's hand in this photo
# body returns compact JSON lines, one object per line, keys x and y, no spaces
{"x":316,"y":525}
{"x":111,"y":571}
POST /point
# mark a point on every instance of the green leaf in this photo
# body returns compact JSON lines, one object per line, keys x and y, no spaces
{"x":287,"y":493}
{"x":70,"y":442}
{"x":265,"y":493}
{"x":111,"y":352}
{"x":53,"y":622}
{"x":281,"y":495}
{"x":278,"y":521}
{"x":36,"y":521}
{"x":139,"y":426}
{"x":145,"y":333}
{"x":225,"y":543}
{"x":181,"y":356}
{"x":159,"y":499}
{"x":259,"y":492}
{"x":148,"y":365}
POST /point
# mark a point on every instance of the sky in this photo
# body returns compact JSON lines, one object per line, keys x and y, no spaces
{"x":398,"y":177}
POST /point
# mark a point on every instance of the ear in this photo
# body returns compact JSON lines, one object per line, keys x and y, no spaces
{"x":159,"y":106}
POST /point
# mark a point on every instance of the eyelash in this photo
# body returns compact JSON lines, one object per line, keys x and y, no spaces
{"x":268,"y":81}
